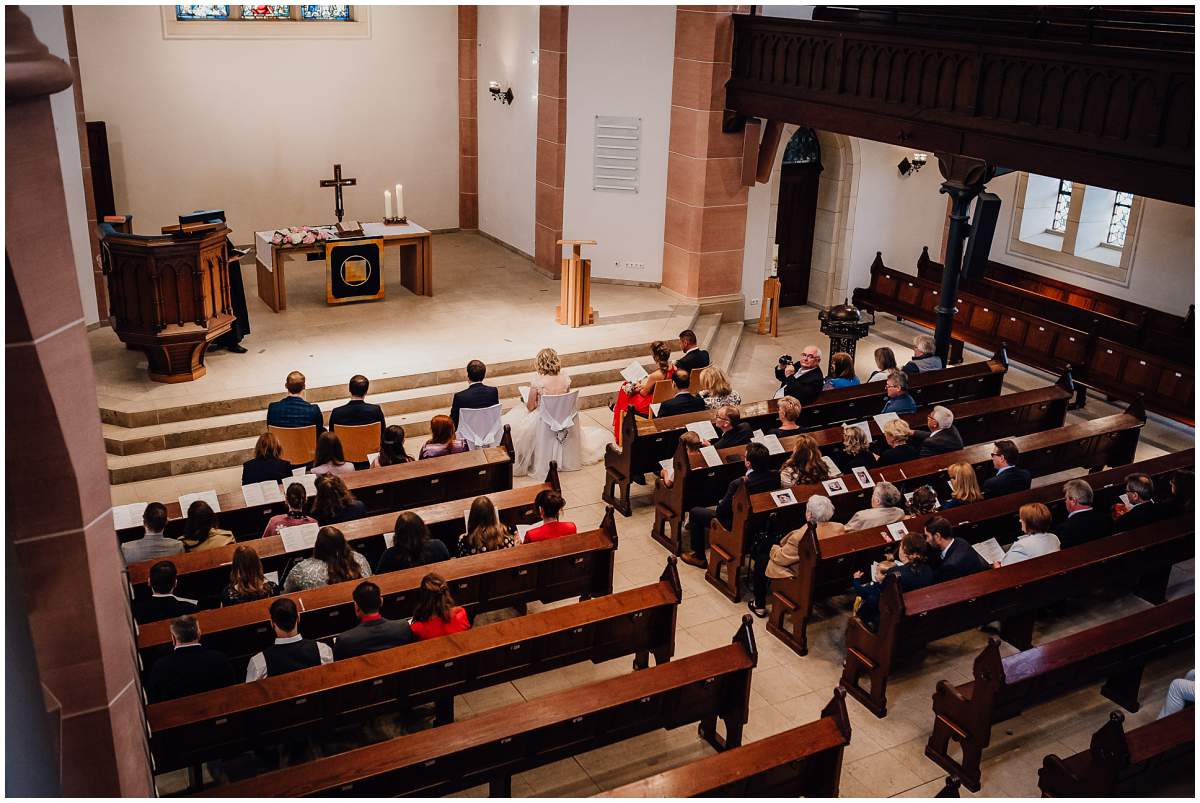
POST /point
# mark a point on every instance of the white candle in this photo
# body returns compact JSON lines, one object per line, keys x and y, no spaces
{"x":387,"y":204}
{"x":400,"y":200}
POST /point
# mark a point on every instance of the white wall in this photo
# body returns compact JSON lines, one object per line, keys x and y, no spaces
{"x":508,"y":47}
{"x":253,"y":125}
{"x":50,"y":28}
{"x":620,"y":62}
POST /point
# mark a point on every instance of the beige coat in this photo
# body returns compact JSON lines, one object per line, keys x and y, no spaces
{"x":874,"y":517}
{"x":216,"y":539}
{"x":786,"y":554}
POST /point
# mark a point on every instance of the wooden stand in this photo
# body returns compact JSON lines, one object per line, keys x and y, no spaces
{"x":574,"y":308}
{"x":770,"y":298}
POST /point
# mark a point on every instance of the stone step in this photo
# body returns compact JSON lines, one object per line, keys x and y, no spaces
{"x":726,"y":344}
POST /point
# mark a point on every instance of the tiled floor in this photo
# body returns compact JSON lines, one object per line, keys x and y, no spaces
{"x":885,"y":757}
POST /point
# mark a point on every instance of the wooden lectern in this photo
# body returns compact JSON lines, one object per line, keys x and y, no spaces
{"x":574,"y":308}
{"x":169,"y":294}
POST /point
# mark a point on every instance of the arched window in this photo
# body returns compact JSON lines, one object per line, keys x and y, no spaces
{"x":802,"y":148}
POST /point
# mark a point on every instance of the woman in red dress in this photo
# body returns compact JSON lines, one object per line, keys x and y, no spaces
{"x":639,"y":393}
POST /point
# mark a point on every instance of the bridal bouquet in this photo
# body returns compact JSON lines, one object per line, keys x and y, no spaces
{"x":301,"y":235}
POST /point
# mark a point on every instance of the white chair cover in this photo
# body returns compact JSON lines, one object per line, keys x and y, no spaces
{"x":558,"y":434}
{"x":480,"y":427}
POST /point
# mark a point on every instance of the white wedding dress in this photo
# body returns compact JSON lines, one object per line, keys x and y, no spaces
{"x":524,"y":424}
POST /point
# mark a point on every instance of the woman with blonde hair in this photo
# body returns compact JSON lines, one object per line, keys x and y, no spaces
{"x":855,"y":451}
{"x":897,"y":433}
{"x":640,"y":393}
{"x":964,"y":485}
{"x":716,"y":390}
{"x":805,"y":466}
{"x":789,"y":408}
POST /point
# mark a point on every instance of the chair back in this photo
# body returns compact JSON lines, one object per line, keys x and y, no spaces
{"x":480,"y":427}
{"x":694,"y":379}
{"x":663,"y":390}
{"x":359,"y":442}
{"x":559,"y":412}
{"x":299,"y":443}
{"x":558,"y":437}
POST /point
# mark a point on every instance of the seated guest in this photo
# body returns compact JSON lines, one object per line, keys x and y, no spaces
{"x":332,"y":561}
{"x":924,"y":501}
{"x":693,"y":357}
{"x":1036,"y":538}
{"x":913,"y":572}
{"x":435,"y":613}
{"x":1083,"y":522}
{"x":942,"y":436}
{"x":802,"y":381}
{"x":1180,"y":694}
{"x":246,"y":579}
{"x":715,"y":389}
{"x":190,"y":667}
{"x":292,"y":410}
{"x":373,"y":633}
{"x":484,"y":532}
{"x":923,"y":358}
{"x":805,"y":465}
{"x":693,"y":443}
{"x":1139,"y":490}
{"x":334,"y":503}
{"x":640,"y":393}
{"x":291,"y":651}
{"x":358,"y":411}
{"x":296,"y":497}
{"x":266,"y":463}
{"x":477,"y":395}
{"x":886,"y":501}
{"x":153,"y":544}
{"x":953,"y":557}
{"x":412,"y":545}
{"x":733,"y":431}
{"x":443,"y":439}
{"x":964,"y":486}
{"x":898,"y":399}
{"x":789,"y":418}
{"x":1183,"y":493}
{"x":855,"y":451}
{"x":896,"y":434}
{"x":779,"y":563}
{"x":885,"y":363}
{"x":841,"y":371}
{"x":684,"y":401}
{"x":331,"y":458}
{"x":758,"y":478}
{"x":200,"y":531}
{"x":162,"y":602}
{"x":391,"y":449}
{"x":549,"y":504}
{"x":1010,"y":478}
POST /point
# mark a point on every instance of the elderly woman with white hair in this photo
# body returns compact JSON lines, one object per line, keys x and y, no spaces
{"x":885,"y":509}
{"x":942,"y":436}
{"x":923,"y":358}
{"x":780,"y":561}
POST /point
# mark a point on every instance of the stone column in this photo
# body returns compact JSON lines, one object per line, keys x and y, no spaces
{"x":468,"y":117}
{"x":551,"y":139}
{"x":59,"y":521}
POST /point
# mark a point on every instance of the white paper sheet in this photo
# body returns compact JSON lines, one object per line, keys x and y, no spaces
{"x":309,"y":481}
{"x":299,"y":537}
{"x":758,"y":433}
{"x":271,"y":491}
{"x":784,"y":498}
{"x":883,"y":418}
{"x":298,"y":472}
{"x":126,"y":516}
{"x":272,"y":576}
{"x":778,"y":393}
{"x":372,"y":457}
{"x":834,"y":471}
{"x":669,"y":467}
{"x":654,"y":408}
{"x":864,"y":427}
{"x":253,"y":494}
{"x":704,"y":429}
{"x":897,"y":530}
{"x":835,"y":487}
{"x":208,"y":496}
{"x":524,"y":391}
{"x":1125,"y":501}
{"x":521,"y":530}
{"x":990,"y":550}
{"x":634,"y":372}
{"x":712,"y":457}
{"x":864,"y":477}
{"x":772,"y":443}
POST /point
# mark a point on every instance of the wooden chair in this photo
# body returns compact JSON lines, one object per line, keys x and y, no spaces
{"x":359,"y":442}
{"x":694,"y":379}
{"x":299,"y":443}
{"x":663,"y":390}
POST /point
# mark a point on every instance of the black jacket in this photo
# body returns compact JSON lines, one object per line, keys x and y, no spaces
{"x":373,"y":636}
{"x":355,"y":510}
{"x":356,"y":413}
{"x":155,"y":609}
{"x":756,"y":482}
{"x":475,"y":397}
{"x":434,"y":551}
{"x":961,"y":559}
{"x":1139,"y":516}
{"x":680,"y":404}
{"x":1085,"y":525}
{"x":1007,"y":482}
{"x":802,"y":387}
{"x":697,"y":358}
{"x":940,"y":442}
{"x":911,"y":576}
{"x":261,"y":469}
{"x":847,"y":463}
{"x":739,"y":435}
{"x":898,"y":454}
{"x":188,"y":670}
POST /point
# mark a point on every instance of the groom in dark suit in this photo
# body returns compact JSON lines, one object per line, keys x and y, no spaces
{"x":477,"y":394}
{"x":693,"y":357}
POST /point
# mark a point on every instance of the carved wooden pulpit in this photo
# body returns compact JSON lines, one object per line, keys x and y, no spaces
{"x":169,"y":294}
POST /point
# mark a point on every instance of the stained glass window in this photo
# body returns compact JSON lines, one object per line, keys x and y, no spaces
{"x":1063,"y":207}
{"x":1119,"y":223}
{"x":325,"y":13}
{"x":266,"y":12}
{"x":202,"y":12}
{"x":802,"y":148}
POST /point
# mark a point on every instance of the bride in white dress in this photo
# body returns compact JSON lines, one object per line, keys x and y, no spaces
{"x":524,"y":419}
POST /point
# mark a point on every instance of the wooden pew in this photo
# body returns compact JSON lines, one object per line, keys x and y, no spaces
{"x":579,"y":565}
{"x":825,"y":566}
{"x":1137,"y":559}
{"x":696,"y":484}
{"x":1116,"y":759}
{"x":493,"y":746}
{"x":1108,"y":441}
{"x":201,"y":727}
{"x":648,"y":442}
{"x":1005,"y":687}
{"x":801,"y":762}
{"x":202,"y":575}
{"x":422,"y":482}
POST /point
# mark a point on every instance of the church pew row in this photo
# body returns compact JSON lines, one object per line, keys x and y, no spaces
{"x":492,"y":747}
{"x":800,"y":762}
{"x":1139,"y":560}
{"x":190,"y":730}
{"x":1120,"y":764}
{"x":1113,"y":367}
{"x":422,"y":482}
{"x":825,"y":565}
{"x":645,"y":443}
{"x":202,"y":575}
{"x":579,"y":565}
{"x":696,"y":484}
{"x":1003,"y":688}
{"x":1108,"y":441}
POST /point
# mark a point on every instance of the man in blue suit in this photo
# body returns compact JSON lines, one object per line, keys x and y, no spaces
{"x":684,"y":401}
{"x":292,"y":410}
{"x":477,"y":395}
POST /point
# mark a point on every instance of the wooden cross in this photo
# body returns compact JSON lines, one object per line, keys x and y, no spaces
{"x":337,"y":182}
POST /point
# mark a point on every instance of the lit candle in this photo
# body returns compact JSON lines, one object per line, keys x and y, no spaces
{"x":400,"y":200}
{"x":387,"y":204}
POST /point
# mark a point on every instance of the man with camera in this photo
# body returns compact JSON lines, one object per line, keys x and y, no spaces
{"x":802,"y":380}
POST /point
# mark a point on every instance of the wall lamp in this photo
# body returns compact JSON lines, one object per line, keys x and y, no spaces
{"x":912,"y":164}
{"x":505,"y":96}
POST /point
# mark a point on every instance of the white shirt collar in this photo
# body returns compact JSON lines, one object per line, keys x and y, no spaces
{"x":1081,"y":510}
{"x":193,"y":644}
{"x":1000,"y":471}
{"x":947,"y":549}
{"x":693,"y":348}
{"x":289,"y":639}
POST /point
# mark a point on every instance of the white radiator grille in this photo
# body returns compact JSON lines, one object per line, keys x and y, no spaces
{"x":616,"y":154}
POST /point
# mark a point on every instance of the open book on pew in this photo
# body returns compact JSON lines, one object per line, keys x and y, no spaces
{"x":261,"y":493}
{"x":990,"y":550}
{"x":771,"y":442}
{"x":299,"y":537}
{"x":712,"y":458}
{"x":309,"y":481}
{"x":186,"y":500}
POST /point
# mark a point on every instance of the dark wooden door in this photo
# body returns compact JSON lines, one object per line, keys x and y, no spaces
{"x":798,"y":182}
